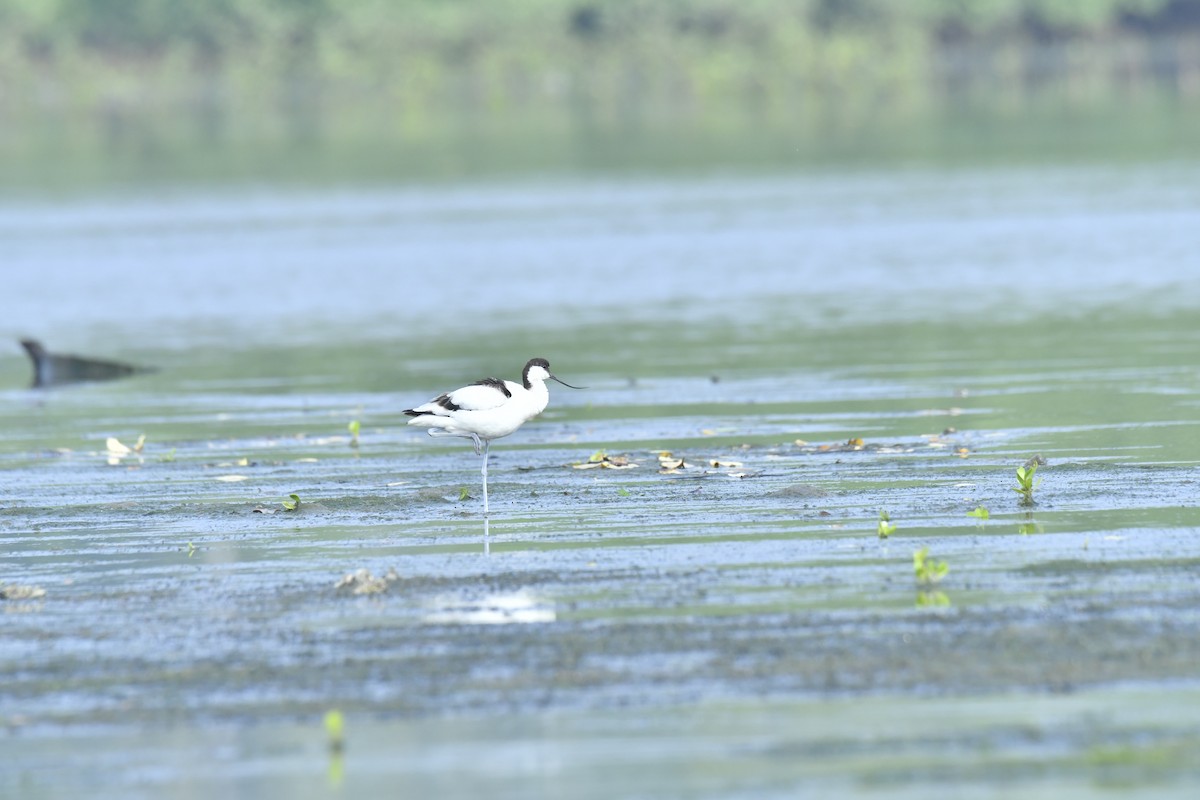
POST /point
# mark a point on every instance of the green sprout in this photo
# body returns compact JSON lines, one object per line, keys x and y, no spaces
{"x":354,"y":427}
{"x":927,"y":571}
{"x":1025,"y":482}
{"x":191,"y":551}
{"x":623,"y":492}
{"x":463,"y":494}
{"x":979,"y":513}
{"x":335,"y":728}
{"x":292,"y":504}
{"x":932,"y":599}
{"x":597,"y":457}
{"x":886,"y":527}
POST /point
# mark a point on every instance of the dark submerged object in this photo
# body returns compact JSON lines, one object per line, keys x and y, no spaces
{"x":50,"y":369}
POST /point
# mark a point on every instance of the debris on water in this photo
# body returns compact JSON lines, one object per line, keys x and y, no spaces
{"x":668,"y":464}
{"x":361,"y":581}
{"x":115,"y":450}
{"x":602,"y":460}
{"x":856,"y":445}
{"x":241,"y":462}
{"x":14,"y":591}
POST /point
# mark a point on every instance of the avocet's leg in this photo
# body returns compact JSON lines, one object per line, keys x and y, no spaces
{"x":478,"y":449}
{"x":487,"y":544}
{"x":486,"y":445}
{"x":439,"y":433}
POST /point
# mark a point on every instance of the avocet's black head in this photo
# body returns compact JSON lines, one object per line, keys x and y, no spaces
{"x":538,"y":369}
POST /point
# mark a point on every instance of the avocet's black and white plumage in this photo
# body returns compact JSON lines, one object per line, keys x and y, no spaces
{"x":488,"y":409}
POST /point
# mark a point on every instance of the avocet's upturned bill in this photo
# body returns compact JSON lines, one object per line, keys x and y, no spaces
{"x":488,"y":409}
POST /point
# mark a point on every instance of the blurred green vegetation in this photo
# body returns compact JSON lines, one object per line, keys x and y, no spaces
{"x":87,"y":86}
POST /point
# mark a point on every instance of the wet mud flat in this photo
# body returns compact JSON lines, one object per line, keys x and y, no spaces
{"x":749,"y":578}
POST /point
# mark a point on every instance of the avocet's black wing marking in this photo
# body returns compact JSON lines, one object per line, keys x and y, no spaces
{"x":479,"y":396}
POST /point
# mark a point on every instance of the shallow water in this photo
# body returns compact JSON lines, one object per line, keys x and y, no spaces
{"x":746,"y":612}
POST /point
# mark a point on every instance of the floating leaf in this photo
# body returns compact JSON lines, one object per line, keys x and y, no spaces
{"x":292,"y":504}
{"x":463,"y":494}
{"x":979,"y":513}
{"x":712,"y":462}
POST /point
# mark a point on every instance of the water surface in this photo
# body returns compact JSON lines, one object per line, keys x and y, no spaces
{"x":742,"y":614}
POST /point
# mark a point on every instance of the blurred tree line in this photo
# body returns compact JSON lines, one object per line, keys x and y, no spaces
{"x":362,"y":34}
{"x":217,"y":28}
{"x":145,"y":75}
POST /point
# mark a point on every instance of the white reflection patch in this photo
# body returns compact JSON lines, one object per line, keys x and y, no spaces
{"x":493,"y":609}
